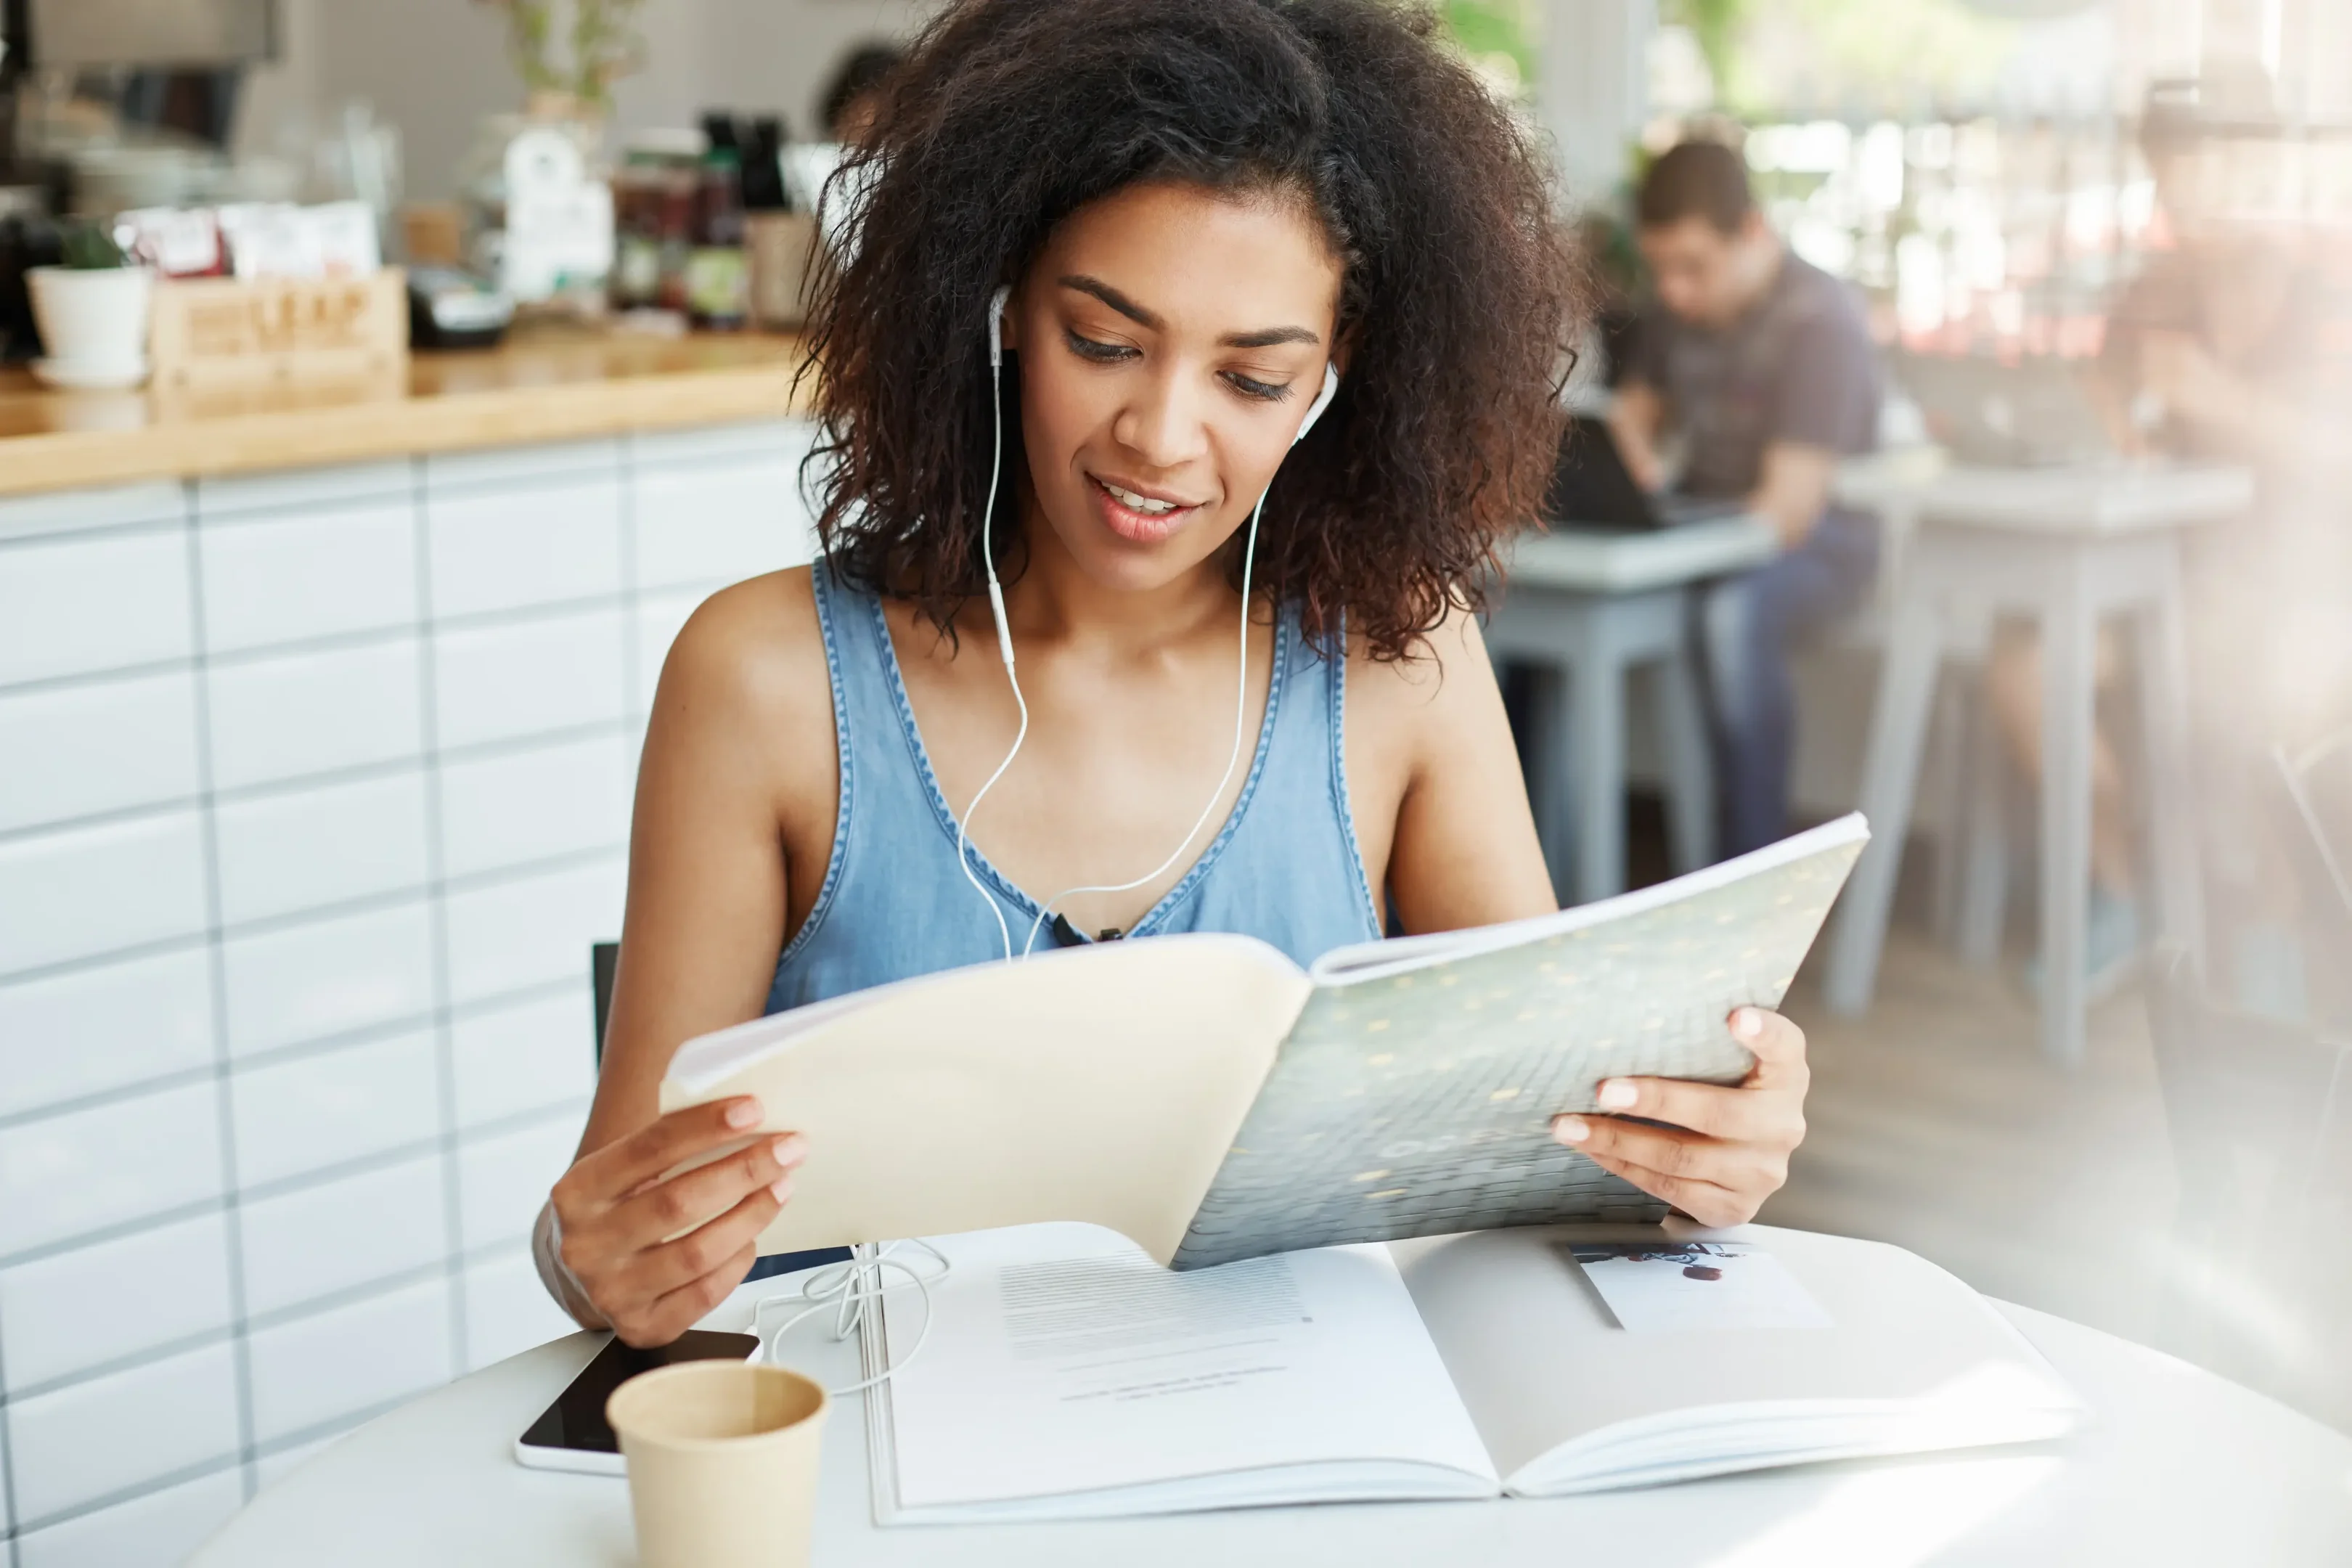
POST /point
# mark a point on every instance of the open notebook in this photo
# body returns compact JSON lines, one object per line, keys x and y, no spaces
{"x":1204,"y":1097}
{"x":1066,"y":1375}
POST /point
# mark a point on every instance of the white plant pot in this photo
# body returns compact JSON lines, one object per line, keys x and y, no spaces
{"x":93,"y":323}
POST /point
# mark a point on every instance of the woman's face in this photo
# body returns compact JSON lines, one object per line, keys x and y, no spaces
{"x":1170,"y":339}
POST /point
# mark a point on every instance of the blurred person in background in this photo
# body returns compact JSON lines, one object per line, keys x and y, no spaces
{"x":854,"y":96}
{"x":1760,"y":365}
{"x":2232,"y":344}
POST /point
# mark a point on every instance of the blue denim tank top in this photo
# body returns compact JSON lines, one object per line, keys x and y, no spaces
{"x":1284,"y":867}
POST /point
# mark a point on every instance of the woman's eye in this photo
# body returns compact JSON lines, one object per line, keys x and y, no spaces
{"x":1100,"y":353}
{"x":1248,"y":387}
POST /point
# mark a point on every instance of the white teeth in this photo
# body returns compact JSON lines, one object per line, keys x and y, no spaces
{"x":1134,"y":502}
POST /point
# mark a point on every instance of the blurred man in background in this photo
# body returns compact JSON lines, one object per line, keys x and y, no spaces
{"x":1759,"y":365}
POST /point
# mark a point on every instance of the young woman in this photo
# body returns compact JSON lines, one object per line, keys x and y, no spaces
{"x":1198,"y":207}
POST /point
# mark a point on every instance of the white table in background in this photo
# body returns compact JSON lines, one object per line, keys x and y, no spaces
{"x":1590,"y":607}
{"x":2179,"y":1467}
{"x":2066,"y":549}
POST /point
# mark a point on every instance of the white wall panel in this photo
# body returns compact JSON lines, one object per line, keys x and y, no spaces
{"x":79,"y":750}
{"x":308,"y":713}
{"x":319,"y":1369}
{"x":525,"y":677}
{"x":76,"y":605}
{"x":509,"y":1060}
{"x":534,"y":930}
{"x":94,"y":891}
{"x":721,"y":524}
{"x":307,"y":982}
{"x":660,"y":618}
{"x":519,"y":806}
{"x":319,"y":1240}
{"x":503,"y":1179}
{"x":309,"y":574}
{"x":87,"y":1031}
{"x":281,"y":853}
{"x":71,"y":1174}
{"x":340,"y":1105}
{"x":72,"y":1311}
{"x":507,"y":1310}
{"x":116,"y":506}
{"x":158,"y":1530}
{"x":111,"y":1433}
{"x":508,"y":548}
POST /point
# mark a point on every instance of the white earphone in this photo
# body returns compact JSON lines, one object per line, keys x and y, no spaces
{"x":1004,"y":648}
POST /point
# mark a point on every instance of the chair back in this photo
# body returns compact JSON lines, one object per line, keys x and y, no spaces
{"x":603,"y":960}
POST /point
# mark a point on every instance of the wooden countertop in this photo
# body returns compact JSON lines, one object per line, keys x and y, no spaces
{"x":546,"y":386}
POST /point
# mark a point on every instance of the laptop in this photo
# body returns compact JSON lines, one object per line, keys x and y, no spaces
{"x":2034,"y":415}
{"x":1592,"y":492}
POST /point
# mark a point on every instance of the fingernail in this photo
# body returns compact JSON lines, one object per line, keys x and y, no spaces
{"x":782,"y":1187}
{"x":1748,"y":1023}
{"x":1571,"y":1129}
{"x":791,"y":1150}
{"x":1617,"y":1094}
{"x":744,"y":1113}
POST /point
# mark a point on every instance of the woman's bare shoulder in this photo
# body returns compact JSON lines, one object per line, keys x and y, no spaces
{"x":752,"y":659}
{"x":1446,"y":666}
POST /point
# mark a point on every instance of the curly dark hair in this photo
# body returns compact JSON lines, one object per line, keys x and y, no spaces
{"x":1458,"y":295}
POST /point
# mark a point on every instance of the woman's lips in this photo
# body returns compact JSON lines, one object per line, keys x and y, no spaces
{"x":1136,"y":527}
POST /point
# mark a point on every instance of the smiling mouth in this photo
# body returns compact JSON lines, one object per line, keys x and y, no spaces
{"x":1147,"y":506}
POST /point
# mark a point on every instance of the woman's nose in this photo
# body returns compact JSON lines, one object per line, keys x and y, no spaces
{"x":1163,"y":422}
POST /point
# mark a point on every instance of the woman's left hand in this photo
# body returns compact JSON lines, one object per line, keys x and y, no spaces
{"x":1727,"y":1147}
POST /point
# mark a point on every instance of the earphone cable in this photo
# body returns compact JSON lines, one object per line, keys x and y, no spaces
{"x":1004,"y":648}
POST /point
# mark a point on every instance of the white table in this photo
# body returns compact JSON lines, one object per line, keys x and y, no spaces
{"x":2181,"y":1467}
{"x":2067,"y":548}
{"x":1589,"y":608}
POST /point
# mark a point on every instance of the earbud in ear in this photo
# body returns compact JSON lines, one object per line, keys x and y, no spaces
{"x":1322,"y":401}
{"x":996,"y":303}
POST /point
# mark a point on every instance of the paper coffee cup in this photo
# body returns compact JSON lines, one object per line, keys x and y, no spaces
{"x":722,"y":1459}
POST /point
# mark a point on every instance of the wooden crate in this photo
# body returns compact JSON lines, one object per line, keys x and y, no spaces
{"x":216,"y":334}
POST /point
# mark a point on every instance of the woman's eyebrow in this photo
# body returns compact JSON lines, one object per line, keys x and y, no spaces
{"x":1264,"y":338}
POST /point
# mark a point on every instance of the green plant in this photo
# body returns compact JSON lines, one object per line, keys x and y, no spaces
{"x":87,"y":248}
{"x":603,"y":44}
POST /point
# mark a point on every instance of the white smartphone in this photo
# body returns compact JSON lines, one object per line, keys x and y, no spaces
{"x":571,"y":1435}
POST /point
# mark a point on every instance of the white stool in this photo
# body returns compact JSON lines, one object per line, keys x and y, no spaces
{"x":2067,"y":549}
{"x":1590,"y":609}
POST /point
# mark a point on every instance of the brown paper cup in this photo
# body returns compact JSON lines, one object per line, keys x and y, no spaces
{"x":723,"y":1463}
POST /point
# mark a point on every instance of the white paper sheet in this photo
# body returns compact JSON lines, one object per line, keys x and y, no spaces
{"x":1670,"y":1287}
{"x":1062,"y":1361}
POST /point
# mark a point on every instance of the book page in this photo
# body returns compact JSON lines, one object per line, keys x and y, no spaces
{"x":1909,"y":1359}
{"x":1061,"y":1362}
{"x":1417,"y":1101}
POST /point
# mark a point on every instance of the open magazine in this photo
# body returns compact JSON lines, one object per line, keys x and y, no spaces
{"x":1204,"y":1097}
{"x":1065,"y":1376}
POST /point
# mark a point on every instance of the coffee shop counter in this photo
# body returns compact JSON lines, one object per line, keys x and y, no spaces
{"x":318,"y":722}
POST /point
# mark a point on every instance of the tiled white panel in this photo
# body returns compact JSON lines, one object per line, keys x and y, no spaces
{"x":498,"y":550}
{"x":71,"y":1174}
{"x":516,"y":806}
{"x":112,"y":1433}
{"x":272,"y":1468}
{"x":660,"y":618}
{"x":719,"y":443}
{"x":502,"y":1181}
{"x":316,"y":1370}
{"x":96,"y":1304}
{"x":341,"y":1105}
{"x":82,"y":750}
{"x":451,"y":473}
{"x":330,"y":977}
{"x":533,"y":930}
{"x":90,"y":1030}
{"x":80,"y":605}
{"x":335,"y":485}
{"x":501,"y":681}
{"x":718,"y":523}
{"x":519,"y":1059}
{"x":157,"y":1530}
{"x":94,"y":889}
{"x":307,"y":713}
{"x":319,"y":1240}
{"x":279,"y":853}
{"x":507,"y":1310}
{"x":66,"y":512}
{"x":309,"y":574}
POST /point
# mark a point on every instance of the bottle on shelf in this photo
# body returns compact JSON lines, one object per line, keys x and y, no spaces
{"x":718,"y":274}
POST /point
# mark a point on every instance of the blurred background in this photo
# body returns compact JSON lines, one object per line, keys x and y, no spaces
{"x":2014,"y":339}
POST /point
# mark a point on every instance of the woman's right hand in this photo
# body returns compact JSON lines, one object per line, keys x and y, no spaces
{"x":620,"y":1220}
